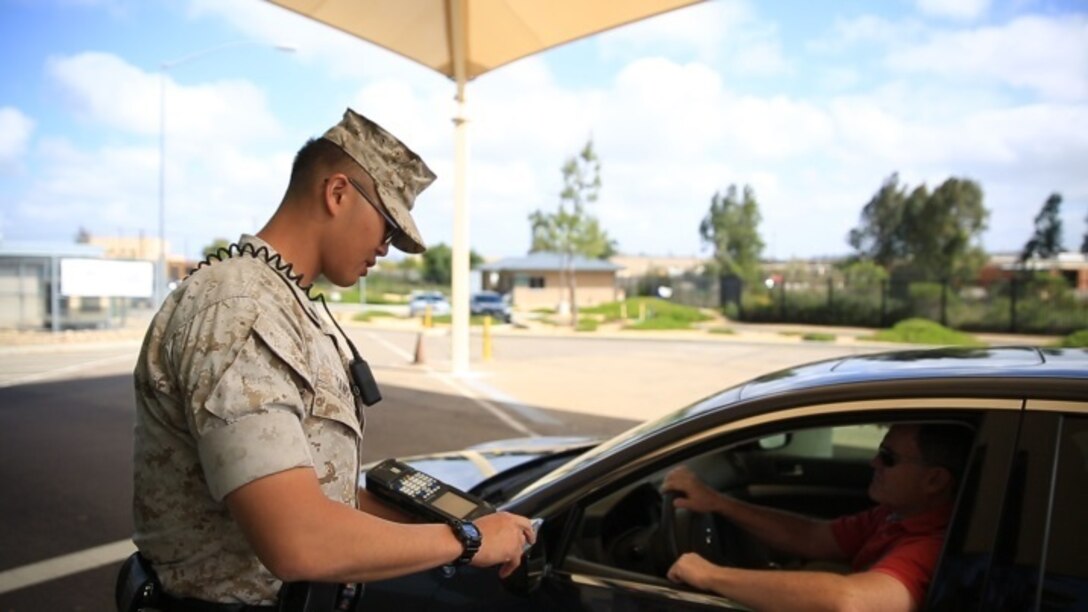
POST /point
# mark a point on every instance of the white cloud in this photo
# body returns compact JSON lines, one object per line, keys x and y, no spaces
{"x":1048,"y":56}
{"x":104,"y":89}
{"x":695,"y":29}
{"x":225,"y":165}
{"x":954,"y":9}
{"x":727,"y":33}
{"x":340,"y":54}
{"x":671,"y":134}
{"x":113,"y":190}
{"x":672,"y":125}
{"x":846,"y":34}
{"x":15,"y":131}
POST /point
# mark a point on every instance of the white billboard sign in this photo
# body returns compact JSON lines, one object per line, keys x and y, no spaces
{"x":106,"y":278}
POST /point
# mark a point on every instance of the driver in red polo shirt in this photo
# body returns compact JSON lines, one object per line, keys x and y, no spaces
{"x":892,"y":548}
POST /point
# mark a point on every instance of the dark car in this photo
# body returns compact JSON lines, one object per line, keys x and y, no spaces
{"x":799,"y":440}
{"x":491,"y":304}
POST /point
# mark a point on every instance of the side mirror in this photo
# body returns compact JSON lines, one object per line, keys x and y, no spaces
{"x":774,"y":442}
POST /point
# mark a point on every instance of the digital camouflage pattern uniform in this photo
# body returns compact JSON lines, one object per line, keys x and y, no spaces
{"x":239,"y":377}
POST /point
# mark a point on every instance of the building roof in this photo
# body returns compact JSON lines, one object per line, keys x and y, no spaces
{"x":1069,"y":260}
{"x":547,"y":262}
{"x":668,"y":265}
{"x":48,"y":249}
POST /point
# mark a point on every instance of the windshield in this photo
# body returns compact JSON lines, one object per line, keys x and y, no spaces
{"x":491,"y":299}
{"x":631,"y":436}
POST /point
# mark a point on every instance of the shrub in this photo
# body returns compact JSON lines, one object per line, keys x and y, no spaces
{"x":655,"y":308}
{"x":1076,"y":339}
{"x":819,"y":337}
{"x":731,"y":311}
{"x":658,"y":324}
{"x":924,"y":331}
{"x":586,"y":324}
{"x":370,"y":314}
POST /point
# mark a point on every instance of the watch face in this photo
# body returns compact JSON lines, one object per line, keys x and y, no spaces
{"x":471,"y":530}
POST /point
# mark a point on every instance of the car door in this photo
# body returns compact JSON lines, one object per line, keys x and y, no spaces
{"x":1038,"y":559}
{"x":1064,"y":571}
{"x":580,"y":581}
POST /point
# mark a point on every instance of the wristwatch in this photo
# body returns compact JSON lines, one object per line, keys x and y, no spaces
{"x":469,"y":536}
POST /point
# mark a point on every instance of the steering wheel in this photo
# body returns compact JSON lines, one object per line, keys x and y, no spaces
{"x":681,"y":531}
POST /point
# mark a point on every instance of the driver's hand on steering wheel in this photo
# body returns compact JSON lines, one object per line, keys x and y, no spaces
{"x":692,"y":493}
{"x":693,"y":570}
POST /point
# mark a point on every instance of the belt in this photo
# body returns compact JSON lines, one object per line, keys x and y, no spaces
{"x":169,"y":603}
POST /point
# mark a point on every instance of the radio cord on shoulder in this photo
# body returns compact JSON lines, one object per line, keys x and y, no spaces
{"x":364,"y":386}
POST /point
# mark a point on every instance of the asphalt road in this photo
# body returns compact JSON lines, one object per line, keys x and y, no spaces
{"x":66,"y":465}
{"x":66,"y":416}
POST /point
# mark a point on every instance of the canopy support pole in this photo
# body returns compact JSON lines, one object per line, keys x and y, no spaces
{"x":459,"y":362}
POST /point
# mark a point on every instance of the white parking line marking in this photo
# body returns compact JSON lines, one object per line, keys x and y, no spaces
{"x":39,"y":376}
{"x":64,"y":565}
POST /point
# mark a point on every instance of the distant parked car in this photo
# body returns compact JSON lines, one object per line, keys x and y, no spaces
{"x":437,"y":302}
{"x":489,"y":303}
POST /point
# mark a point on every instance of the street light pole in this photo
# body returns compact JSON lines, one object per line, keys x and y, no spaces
{"x":160,"y":276}
{"x":164,"y":67}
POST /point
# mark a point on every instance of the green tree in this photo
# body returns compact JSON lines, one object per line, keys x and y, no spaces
{"x":215,"y":246}
{"x":946,"y":231}
{"x":571,"y":231}
{"x":731,"y":227}
{"x":932,"y":235}
{"x":864,"y":273}
{"x":880,"y":236}
{"x":438,"y":263}
{"x":1046,"y":242}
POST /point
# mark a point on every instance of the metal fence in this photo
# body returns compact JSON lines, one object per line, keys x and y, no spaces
{"x":1045,"y":305}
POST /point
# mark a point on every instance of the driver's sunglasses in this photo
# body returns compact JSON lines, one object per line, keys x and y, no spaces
{"x":391,"y":227}
{"x":889,"y":459}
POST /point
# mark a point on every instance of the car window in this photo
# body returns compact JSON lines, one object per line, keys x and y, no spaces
{"x":1065,"y":584}
{"x":843,"y":442}
{"x":822,"y":472}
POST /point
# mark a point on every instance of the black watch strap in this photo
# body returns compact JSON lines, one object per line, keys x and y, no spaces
{"x":469,"y":536}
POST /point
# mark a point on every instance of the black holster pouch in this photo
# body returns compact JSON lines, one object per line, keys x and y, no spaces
{"x":138,"y":589}
{"x":137,"y":586}
{"x":320,"y":597}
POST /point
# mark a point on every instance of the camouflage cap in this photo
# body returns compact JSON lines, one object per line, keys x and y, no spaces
{"x":399,"y":174}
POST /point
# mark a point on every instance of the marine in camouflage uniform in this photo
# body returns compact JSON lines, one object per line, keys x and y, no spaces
{"x":240,"y":376}
{"x":245,"y":422}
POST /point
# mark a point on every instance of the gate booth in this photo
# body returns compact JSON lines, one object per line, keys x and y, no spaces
{"x":47,"y":286}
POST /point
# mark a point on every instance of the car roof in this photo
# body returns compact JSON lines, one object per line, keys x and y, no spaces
{"x":997,"y":372}
{"x":945,"y":364}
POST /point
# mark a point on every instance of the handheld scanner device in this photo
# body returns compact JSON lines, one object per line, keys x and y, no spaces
{"x":421,"y":495}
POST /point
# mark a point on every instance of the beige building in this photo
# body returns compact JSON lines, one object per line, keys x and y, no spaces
{"x":142,"y":248}
{"x":634,"y":266}
{"x":1070,"y":265}
{"x":534,"y":281}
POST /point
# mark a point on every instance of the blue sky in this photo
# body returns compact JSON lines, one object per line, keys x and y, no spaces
{"x":811,"y":103}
